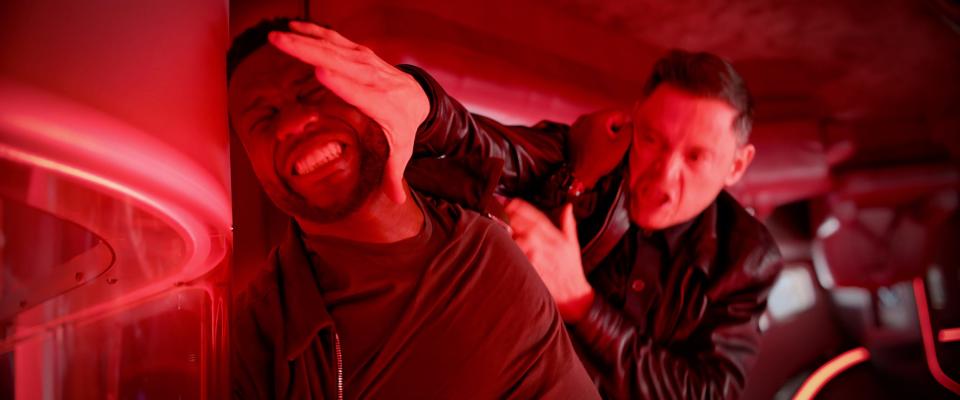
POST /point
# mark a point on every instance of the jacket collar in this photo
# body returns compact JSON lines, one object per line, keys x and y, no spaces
{"x":675,"y":236}
{"x":691,"y":242}
{"x":304,"y":312}
{"x":695,"y":241}
{"x":700,"y":239}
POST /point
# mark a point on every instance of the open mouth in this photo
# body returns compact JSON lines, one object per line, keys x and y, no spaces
{"x":653,"y":198}
{"x":318,"y":157}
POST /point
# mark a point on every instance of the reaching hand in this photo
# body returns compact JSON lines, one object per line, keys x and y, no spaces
{"x":554,"y":254}
{"x":389,"y":96}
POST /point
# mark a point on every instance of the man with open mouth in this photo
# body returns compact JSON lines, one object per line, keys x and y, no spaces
{"x":660,"y":275}
{"x":376,"y":291}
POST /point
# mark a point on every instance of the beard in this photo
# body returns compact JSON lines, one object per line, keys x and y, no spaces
{"x":373,"y":151}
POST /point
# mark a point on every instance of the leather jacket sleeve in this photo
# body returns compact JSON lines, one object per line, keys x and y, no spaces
{"x":711,"y":363}
{"x":450,"y":131}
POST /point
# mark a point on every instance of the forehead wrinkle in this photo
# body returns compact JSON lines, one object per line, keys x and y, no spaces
{"x":266,"y":66}
{"x":658,"y":131}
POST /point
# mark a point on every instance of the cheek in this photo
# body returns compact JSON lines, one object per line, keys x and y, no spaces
{"x":640,"y":162}
{"x":374,"y":140}
{"x":260,"y":154}
{"x":633,"y":164}
{"x":702,"y":185}
{"x":697,"y":191}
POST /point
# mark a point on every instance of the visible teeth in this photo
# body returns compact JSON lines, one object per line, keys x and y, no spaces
{"x":318,"y":157}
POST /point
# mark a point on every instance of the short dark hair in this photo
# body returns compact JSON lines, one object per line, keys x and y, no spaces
{"x":254,"y":38}
{"x":705,"y":74}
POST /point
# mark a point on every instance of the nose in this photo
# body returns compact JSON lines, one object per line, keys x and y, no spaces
{"x":666,"y":170}
{"x":295,"y":120}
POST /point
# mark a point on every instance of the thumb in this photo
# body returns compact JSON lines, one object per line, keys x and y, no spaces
{"x":568,"y":224}
{"x":393,"y":185}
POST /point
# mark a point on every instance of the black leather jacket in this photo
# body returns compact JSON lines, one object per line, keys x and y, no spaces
{"x":689,"y":329}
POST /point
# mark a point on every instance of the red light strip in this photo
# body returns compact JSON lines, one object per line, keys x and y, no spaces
{"x":76,"y":142}
{"x":926,"y":331}
{"x":830,"y":370}
{"x":949,"y":335}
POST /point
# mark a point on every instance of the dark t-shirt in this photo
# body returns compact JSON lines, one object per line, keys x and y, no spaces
{"x":367,"y":287}
{"x":453,"y":312}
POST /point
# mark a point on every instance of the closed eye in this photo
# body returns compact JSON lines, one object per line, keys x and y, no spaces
{"x":697,"y":155}
{"x":261,"y":117}
{"x":315,"y":93}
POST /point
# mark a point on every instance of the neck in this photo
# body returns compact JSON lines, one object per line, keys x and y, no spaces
{"x":380,"y":220}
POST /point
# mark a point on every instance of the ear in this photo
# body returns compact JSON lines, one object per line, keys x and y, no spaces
{"x":741,"y":160}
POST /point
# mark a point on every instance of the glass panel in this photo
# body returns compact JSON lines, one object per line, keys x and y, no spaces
{"x":42,"y":256}
{"x":158,"y":349}
{"x":95,"y":247}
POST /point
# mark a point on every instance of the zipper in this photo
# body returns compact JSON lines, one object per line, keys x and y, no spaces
{"x":336,"y":340}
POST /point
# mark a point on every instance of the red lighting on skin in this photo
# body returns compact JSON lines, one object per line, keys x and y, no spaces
{"x":926,"y":331}
{"x":949,"y":335}
{"x":828,"y":371}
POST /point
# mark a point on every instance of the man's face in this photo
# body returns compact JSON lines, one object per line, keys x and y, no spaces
{"x":684,"y":152}
{"x":316,"y":156}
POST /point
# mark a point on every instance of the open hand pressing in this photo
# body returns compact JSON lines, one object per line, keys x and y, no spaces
{"x":384,"y":93}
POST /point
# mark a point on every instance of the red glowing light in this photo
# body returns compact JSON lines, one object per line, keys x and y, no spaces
{"x":830,"y":370}
{"x":926,"y":331}
{"x":106,"y":155}
{"x":949,"y":335}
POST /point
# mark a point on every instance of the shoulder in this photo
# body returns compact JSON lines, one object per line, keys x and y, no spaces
{"x":255,"y":333}
{"x":465,"y":224}
{"x":551,"y":126}
{"x":263,"y":289}
{"x":447,"y":213}
{"x":256,"y":315}
{"x":745,"y":239}
{"x":455,"y":216}
{"x":475,"y":232}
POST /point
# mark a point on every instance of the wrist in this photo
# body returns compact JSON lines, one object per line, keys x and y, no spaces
{"x":426,"y":84}
{"x":574,"y":309}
